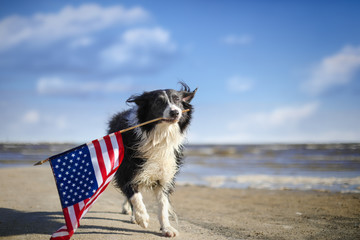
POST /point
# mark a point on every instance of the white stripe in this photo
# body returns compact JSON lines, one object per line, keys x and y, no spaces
{"x":72,"y":217}
{"x":95,"y":163}
{"x":105,"y":155}
{"x":60,"y":234}
{"x":81,"y":205}
{"x":116,"y":149}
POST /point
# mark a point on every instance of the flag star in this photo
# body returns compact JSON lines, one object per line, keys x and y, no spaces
{"x":89,"y":173}
{"x":85,"y":155}
{"x":72,"y":176}
{"x":89,"y":188}
{"x":64,"y":193}
{"x":73,"y":155}
{"x":67,"y":173}
{"x":71,"y":160}
{"x":66,"y":187}
{"x":78,"y":158}
{"x":73,"y":185}
{"x":61,"y":184}
{"x":64,"y":164}
{"x":94,"y":191}
{"x":66,"y":158}
{"x":91,"y":181}
{"x":66,"y":202}
{"x":86,"y":194}
{"x":59,"y":175}
{"x":81,"y":182}
{"x":56,"y":166}
{"x":85,"y":170}
{"x":80,"y":152}
{"x":83,"y":191}
{"x":76,"y":164}
{"x":87,"y":164}
{"x":76,"y":179}
{"x":79,"y":196}
{"x":62,"y":170}
{"x":69,"y":167}
{"x":83,"y":161}
{"x":69,"y":182}
{"x":85,"y":185}
{"x":83,"y":176}
{"x":58,"y":160}
{"x":81,"y":167}
{"x":64,"y":178}
{"x":68,"y":196}
{"x":77,"y":188}
{"x":70,"y":190}
{"x":73,"y":199}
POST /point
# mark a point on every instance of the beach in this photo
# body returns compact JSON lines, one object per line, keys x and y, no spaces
{"x":30,"y":209}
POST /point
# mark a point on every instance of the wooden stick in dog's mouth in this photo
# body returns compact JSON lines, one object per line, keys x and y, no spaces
{"x":125,"y":130}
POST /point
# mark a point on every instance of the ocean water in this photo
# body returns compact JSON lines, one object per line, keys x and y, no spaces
{"x":324,"y":167}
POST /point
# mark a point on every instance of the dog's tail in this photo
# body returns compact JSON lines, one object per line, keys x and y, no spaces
{"x":173,"y":213}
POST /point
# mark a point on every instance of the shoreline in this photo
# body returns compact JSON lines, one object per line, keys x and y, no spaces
{"x":30,"y":209}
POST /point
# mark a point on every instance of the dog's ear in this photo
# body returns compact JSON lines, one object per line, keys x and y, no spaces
{"x":188,"y":96}
{"x":137,"y":99}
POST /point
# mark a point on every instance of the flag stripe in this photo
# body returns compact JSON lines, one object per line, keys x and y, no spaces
{"x":110,"y":151}
{"x":95,"y":163}
{"x":105,"y":155}
{"x":100,"y":158}
{"x":120,"y":147}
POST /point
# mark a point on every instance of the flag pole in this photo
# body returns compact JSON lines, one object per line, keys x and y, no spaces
{"x":122,"y":131}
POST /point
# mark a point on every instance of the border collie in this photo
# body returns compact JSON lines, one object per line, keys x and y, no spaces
{"x":153,"y":152}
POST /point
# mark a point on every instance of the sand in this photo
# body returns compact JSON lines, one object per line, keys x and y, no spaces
{"x":30,"y":209}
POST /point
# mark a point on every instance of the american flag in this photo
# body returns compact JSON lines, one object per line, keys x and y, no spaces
{"x":81,"y":175}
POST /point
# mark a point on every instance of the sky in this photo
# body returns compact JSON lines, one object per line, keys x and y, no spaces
{"x":267,"y":71}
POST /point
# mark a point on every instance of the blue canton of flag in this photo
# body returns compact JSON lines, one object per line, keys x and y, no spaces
{"x":75,"y":176}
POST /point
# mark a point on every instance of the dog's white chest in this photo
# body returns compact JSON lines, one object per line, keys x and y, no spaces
{"x":158,"y":148}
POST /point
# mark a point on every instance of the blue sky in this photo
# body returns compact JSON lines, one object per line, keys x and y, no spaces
{"x":267,"y":71}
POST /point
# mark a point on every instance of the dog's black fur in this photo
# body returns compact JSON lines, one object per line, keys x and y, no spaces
{"x":150,"y":105}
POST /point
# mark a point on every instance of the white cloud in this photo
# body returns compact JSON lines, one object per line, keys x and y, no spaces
{"x":237,"y":40}
{"x":31,"y":116}
{"x":141,"y":48}
{"x":338,"y":69}
{"x":81,"y":42}
{"x":239,"y":84}
{"x":59,"y":86}
{"x":68,"y":22}
{"x":279,"y":117}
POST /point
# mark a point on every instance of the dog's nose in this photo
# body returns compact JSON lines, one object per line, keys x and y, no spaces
{"x":174,"y":113}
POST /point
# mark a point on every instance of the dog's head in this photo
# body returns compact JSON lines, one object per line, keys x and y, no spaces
{"x":167,"y":103}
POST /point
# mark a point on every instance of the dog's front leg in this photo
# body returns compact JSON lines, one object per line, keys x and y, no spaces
{"x":163,"y":214}
{"x":139,"y":210}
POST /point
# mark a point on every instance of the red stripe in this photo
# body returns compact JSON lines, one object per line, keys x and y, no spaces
{"x":100,"y":159}
{"x":77,"y":213}
{"x":110,"y":150}
{"x":121,"y":146}
{"x":67,"y":220}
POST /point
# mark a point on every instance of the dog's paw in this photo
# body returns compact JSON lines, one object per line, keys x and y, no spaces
{"x":169,"y":232}
{"x":126,"y":209}
{"x":142,"y":218}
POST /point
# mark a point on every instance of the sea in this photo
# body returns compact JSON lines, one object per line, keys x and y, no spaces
{"x":315,"y":167}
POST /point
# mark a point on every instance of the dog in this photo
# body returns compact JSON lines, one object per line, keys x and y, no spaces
{"x":153,"y":153}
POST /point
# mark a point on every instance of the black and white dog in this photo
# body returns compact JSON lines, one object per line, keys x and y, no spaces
{"x":153,"y":152}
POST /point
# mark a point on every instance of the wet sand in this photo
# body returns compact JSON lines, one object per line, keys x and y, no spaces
{"x":30,"y":209}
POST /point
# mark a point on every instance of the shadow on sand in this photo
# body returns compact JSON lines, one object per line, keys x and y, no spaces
{"x":15,"y":223}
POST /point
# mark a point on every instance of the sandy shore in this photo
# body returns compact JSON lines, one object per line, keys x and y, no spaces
{"x":30,"y":209}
